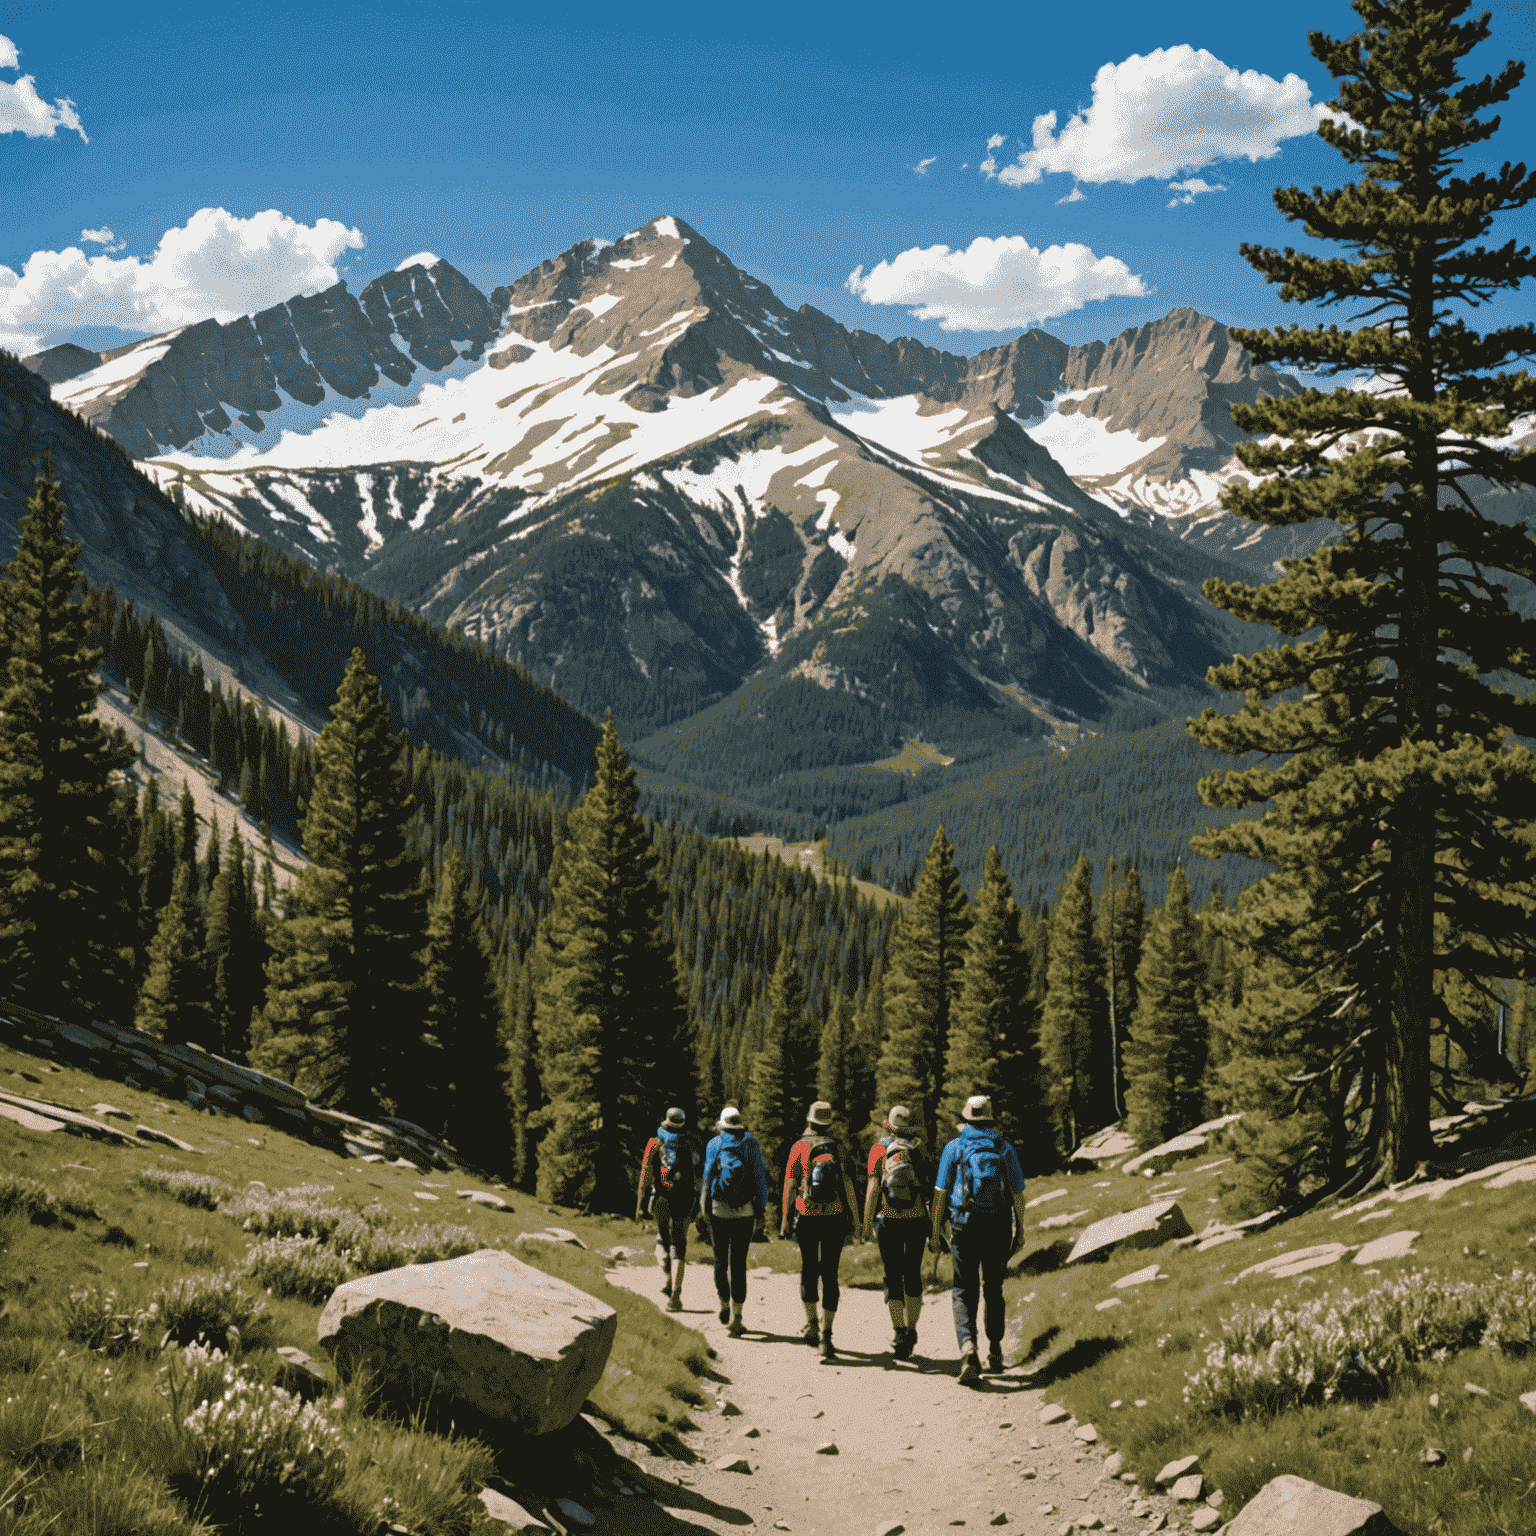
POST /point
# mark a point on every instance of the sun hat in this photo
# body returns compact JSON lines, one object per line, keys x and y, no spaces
{"x":978,"y":1109}
{"x":899,"y":1119}
{"x":819,"y":1114}
{"x":676,"y":1119}
{"x":730,"y":1119}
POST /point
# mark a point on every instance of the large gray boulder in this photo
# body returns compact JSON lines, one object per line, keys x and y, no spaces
{"x":486,"y":1330}
{"x":1291,"y":1506}
{"x":1148,"y":1226}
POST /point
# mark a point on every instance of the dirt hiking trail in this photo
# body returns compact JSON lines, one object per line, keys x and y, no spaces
{"x":913,"y":1446}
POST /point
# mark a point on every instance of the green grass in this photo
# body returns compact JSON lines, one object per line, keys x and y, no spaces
{"x":105,"y":1249}
{"x":1365,"y":1441}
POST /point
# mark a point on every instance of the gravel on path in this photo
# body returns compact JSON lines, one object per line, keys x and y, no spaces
{"x":913,"y":1446}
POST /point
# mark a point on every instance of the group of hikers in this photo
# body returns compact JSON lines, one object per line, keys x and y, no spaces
{"x":977,"y":1188}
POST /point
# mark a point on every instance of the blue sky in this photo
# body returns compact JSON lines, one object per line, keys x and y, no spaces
{"x":805,"y":141}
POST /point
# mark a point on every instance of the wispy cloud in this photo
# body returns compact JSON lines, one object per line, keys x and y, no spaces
{"x":921,"y":168}
{"x":215,"y":265}
{"x":22,"y":110}
{"x":1076,"y":195}
{"x":996,"y":284}
{"x":1191,"y":190}
{"x":102,"y":236}
{"x":1166,"y":113}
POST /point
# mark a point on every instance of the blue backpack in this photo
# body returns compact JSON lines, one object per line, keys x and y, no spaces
{"x":676,"y":1159}
{"x":734,"y":1184}
{"x":983,"y":1182}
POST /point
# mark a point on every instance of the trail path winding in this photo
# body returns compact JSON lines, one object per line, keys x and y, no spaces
{"x":913,"y":1446}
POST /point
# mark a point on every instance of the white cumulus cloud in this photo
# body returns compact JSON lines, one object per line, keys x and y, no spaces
{"x":1191,"y":189}
{"x":1076,"y":195}
{"x":995,"y":285}
{"x":22,"y":110}
{"x":1165,"y":113}
{"x":102,"y":236}
{"x":214,"y":266}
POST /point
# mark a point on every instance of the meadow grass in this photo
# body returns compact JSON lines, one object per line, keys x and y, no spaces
{"x":1134,"y":1369}
{"x":140,"y":1289}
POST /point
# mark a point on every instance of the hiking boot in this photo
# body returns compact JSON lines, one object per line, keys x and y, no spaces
{"x":970,"y":1369}
{"x":676,"y":1303}
{"x":666,"y":1282}
{"x":906,"y":1341}
{"x":827,"y":1351}
{"x":737,"y":1328}
{"x":995,"y":1358}
{"x":725,"y":1311}
{"x":811,"y":1334}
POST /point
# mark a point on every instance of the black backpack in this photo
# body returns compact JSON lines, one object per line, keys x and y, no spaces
{"x":823,"y":1178}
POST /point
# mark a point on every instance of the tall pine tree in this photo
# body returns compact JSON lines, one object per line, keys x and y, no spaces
{"x":1074,"y":1027}
{"x":994,"y":1043}
{"x":344,"y":1000}
{"x":467,"y":1096}
{"x":1408,"y":599}
{"x":176,"y":999}
{"x":67,"y":931}
{"x":1121,"y":917}
{"x":612,"y":1025}
{"x":1165,"y":1055}
{"x":922,"y":983}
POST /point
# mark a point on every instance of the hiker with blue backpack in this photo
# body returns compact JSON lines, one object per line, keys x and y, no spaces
{"x":667,"y":1185}
{"x":733,"y":1196}
{"x":896,"y":1207}
{"x":980,"y":1187}
{"x":817,"y":1197}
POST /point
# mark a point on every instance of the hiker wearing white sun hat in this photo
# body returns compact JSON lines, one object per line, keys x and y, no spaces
{"x":816,"y":1192}
{"x":733,"y":1196}
{"x":980,"y":1187}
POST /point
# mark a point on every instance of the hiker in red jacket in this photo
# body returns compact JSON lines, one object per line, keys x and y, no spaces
{"x":816,"y":1189}
{"x":895,"y":1205}
{"x":667,"y":1177}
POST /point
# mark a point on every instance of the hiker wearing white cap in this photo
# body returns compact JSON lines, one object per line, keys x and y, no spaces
{"x":816,"y":1190}
{"x":980,"y":1186}
{"x":895,"y":1205}
{"x":667,"y":1177}
{"x":733,"y":1195}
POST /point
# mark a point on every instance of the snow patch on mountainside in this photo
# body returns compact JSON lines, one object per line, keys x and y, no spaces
{"x":896,"y":424}
{"x":84,"y":388}
{"x":1084,"y":445}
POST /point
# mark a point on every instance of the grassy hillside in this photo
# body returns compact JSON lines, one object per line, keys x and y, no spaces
{"x":105,"y":1249}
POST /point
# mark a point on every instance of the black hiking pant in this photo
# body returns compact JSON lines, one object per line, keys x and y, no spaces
{"x":732,"y":1239}
{"x":902,"y":1241}
{"x":979,"y":1249}
{"x":672,"y":1230}
{"x":821,"y":1240}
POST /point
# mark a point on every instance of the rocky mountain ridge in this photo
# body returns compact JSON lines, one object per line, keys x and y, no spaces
{"x":639,"y":475}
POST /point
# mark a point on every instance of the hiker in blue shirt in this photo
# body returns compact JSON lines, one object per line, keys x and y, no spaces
{"x":733,"y":1198}
{"x":980,"y":1186}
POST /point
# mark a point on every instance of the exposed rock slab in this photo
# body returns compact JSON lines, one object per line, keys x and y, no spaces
{"x":486,"y":1329}
{"x":1391,"y":1245}
{"x":511,"y":1514}
{"x":1292,"y":1506}
{"x":1297,"y":1262}
{"x":1146,"y":1227}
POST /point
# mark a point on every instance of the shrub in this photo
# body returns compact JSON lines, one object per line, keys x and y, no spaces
{"x":196,"y":1248}
{"x":95,"y":1319}
{"x":373,"y":1249}
{"x":199,"y":1190}
{"x":297,"y":1266}
{"x":1273,"y":1358}
{"x":76,"y":1201}
{"x":29,"y":1197}
{"x":211,"y":1307}
{"x":298,"y":1212}
{"x":256,"y":1442}
{"x":1512,"y":1314}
